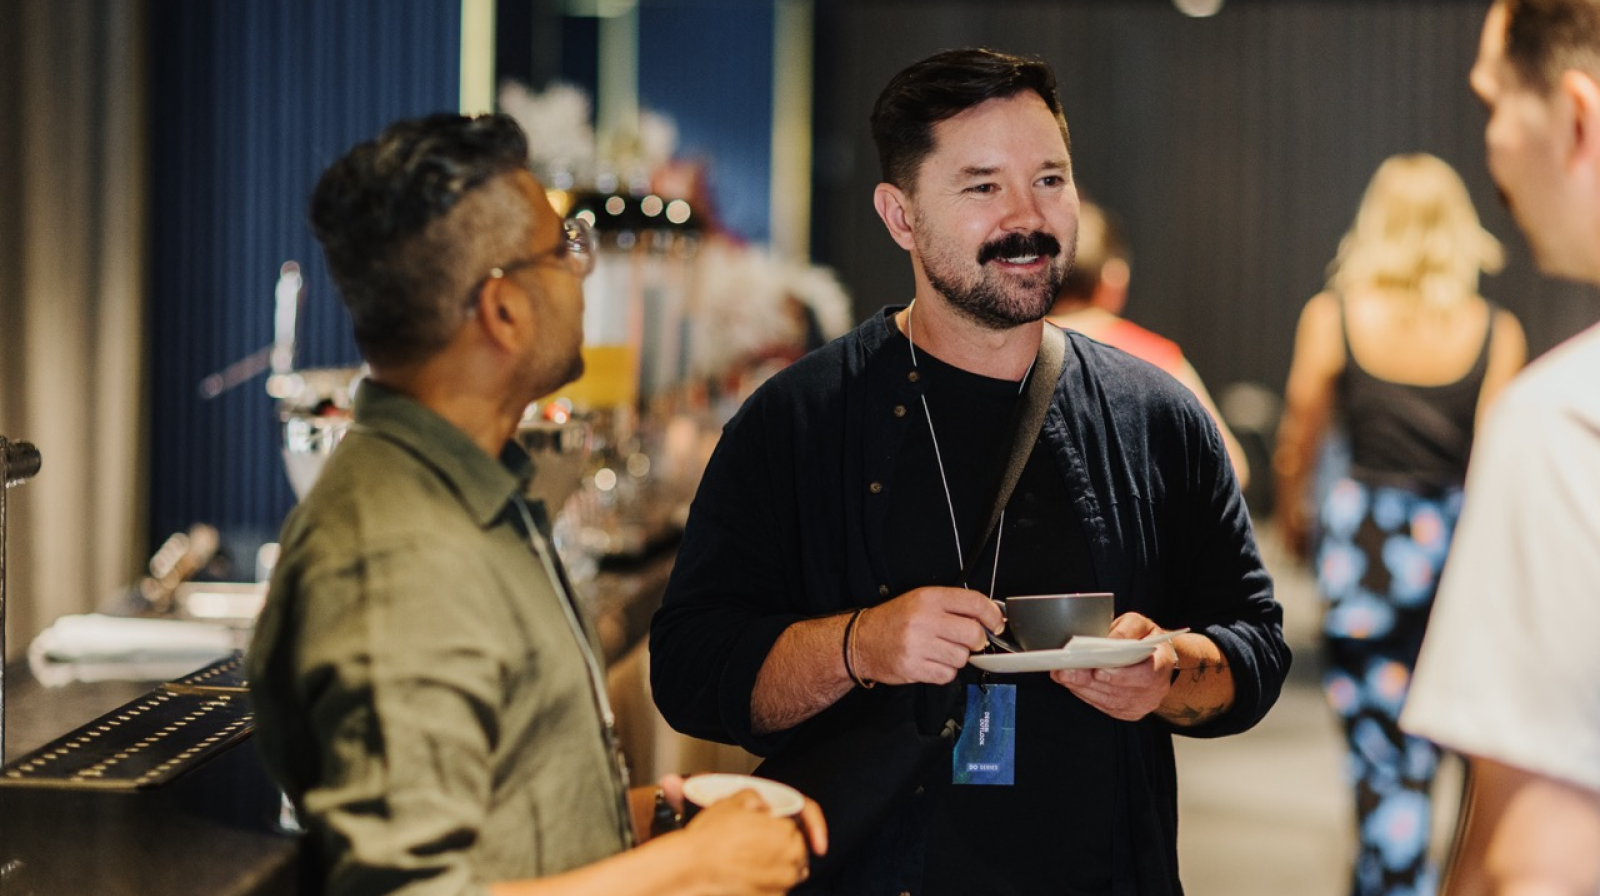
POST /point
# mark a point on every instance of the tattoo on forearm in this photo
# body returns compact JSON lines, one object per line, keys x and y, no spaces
{"x":1195,"y":715}
{"x":1198,"y":672}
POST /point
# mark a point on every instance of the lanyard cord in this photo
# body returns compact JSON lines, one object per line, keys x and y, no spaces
{"x":1000,"y":527}
{"x":597,"y":682}
{"x":542,"y":550}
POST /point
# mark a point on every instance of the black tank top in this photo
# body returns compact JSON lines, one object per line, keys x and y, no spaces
{"x":1416,"y":437}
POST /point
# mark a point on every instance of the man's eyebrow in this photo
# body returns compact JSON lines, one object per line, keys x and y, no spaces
{"x":990,"y":170}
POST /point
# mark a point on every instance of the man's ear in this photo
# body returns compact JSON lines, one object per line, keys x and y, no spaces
{"x":498,"y":313}
{"x":894,"y":207}
{"x":1582,"y":95}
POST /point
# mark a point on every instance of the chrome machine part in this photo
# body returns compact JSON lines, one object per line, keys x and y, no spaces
{"x":19,"y":461}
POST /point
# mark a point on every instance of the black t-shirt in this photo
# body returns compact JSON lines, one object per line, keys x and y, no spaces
{"x":1052,"y":831}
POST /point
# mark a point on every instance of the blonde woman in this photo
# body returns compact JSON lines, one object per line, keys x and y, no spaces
{"x":1407,"y":354}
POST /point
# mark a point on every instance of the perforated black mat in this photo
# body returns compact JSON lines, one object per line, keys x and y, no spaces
{"x":149,"y":741}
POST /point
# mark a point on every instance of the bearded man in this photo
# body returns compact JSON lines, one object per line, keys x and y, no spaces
{"x":818,"y":613}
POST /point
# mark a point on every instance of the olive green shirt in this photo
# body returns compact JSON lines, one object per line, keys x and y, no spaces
{"x":420,"y":692}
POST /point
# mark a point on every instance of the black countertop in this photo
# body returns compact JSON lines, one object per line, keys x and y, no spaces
{"x":211,"y":830}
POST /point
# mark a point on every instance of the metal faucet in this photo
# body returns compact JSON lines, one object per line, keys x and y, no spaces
{"x":19,"y":461}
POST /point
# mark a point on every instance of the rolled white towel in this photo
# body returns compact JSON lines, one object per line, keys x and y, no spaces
{"x":97,"y":647}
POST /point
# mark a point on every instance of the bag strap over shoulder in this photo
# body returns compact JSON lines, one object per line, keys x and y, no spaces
{"x":1026,"y":424}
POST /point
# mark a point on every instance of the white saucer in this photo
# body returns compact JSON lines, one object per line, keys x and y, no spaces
{"x":1081,"y":652}
{"x":781,"y":799}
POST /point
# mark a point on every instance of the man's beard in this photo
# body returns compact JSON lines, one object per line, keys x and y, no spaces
{"x":991,"y":303}
{"x":544,"y":375}
{"x":574,"y":370}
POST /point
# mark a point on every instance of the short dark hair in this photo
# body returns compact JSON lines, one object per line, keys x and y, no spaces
{"x":1547,"y":37}
{"x":944,"y":85}
{"x":383,"y":214}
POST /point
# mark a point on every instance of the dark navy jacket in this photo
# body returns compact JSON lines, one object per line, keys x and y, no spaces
{"x":789,"y":524}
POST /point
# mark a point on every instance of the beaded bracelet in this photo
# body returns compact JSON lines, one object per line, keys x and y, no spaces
{"x":849,"y":650}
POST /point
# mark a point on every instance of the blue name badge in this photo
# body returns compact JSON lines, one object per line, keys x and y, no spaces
{"x":986,"y":752}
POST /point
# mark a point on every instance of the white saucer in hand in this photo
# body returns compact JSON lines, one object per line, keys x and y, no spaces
{"x":781,"y":799}
{"x":1082,"y":652}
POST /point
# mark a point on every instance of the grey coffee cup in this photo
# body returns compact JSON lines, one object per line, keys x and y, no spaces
{"x":1046,"y":621}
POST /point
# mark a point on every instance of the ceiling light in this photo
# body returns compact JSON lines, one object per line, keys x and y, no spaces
{"x":1198,"y":8}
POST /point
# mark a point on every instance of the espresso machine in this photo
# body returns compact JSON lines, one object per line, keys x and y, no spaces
{"x":141,"y":744}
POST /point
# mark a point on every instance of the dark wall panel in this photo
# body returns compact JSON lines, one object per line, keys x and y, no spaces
{"x":250,"y":100}
{"x":1235,"y":148}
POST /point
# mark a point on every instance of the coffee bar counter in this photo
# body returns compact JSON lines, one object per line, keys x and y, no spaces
{"x":209,"y":826}
{"x":141,"y":787}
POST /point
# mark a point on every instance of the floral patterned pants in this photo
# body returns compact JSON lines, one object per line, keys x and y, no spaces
{"x":1378,"y":564}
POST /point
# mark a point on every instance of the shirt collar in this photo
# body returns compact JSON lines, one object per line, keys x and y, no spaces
{"x":483,"y":484}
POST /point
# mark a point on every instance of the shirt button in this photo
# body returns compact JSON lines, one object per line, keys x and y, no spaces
{"x":883,"y":590}
{"x":899,"y":410}
{"x":913,"y":376}
{"x":875,"y":488}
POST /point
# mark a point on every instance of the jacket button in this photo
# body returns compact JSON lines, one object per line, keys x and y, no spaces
{"x":913,"y":376}
{"x":899,"y":410}
{"x":875,"y":488}
{"x":883,"y":590}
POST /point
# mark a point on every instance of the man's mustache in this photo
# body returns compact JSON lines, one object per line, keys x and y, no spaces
{"x":1014,"y":245}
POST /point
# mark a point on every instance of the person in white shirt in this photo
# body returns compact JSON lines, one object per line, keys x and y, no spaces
{"x":1509,"y":674}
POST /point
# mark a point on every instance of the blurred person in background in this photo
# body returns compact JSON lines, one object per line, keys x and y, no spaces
{"x":427,"y":686}
{"x":1407,"y":355}
{"x":1509,"y":674}
{"x":1092,"y":297}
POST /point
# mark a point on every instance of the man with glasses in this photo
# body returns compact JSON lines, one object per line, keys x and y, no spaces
{"x":427,"y":691}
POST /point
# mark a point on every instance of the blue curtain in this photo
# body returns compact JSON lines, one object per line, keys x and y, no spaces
{"x":707,"y":64}
{"x":250,"y":100}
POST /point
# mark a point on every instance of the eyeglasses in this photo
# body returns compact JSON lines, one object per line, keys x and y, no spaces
{"x":576,"y":251}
